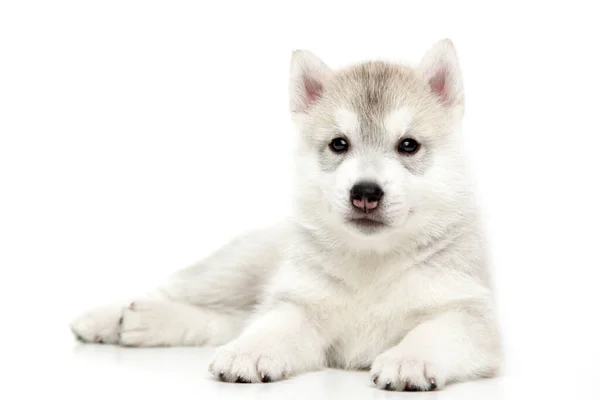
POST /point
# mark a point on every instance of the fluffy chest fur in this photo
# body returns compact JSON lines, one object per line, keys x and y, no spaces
{"x":366,"y":302}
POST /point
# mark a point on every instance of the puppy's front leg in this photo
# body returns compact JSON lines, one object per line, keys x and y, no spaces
{"x":450,"y":347}
{"x":282,"y":342}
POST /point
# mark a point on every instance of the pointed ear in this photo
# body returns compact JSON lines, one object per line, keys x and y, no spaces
{"x":308,"y":75}
{"x":441,"y":71}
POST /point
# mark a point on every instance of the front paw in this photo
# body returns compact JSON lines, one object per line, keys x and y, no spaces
{"x":248,"y":364}
{"x":394,"y":371}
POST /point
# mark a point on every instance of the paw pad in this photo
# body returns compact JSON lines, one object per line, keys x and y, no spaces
{"x":432,"y":384}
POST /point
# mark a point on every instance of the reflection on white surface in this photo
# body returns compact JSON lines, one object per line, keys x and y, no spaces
{"x":182,"y":373}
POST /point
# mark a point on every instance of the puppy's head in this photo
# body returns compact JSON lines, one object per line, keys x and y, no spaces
{"x":378,"y":155}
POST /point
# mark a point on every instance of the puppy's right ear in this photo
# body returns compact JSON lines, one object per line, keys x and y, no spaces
{"x":308,"y":76}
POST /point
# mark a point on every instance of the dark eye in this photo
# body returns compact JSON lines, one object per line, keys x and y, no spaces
{"x":338,"y":145}
{"x":408,"y":146}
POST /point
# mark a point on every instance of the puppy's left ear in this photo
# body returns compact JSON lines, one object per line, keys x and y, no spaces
{"x":308,"y":76}
{"x":439,"y":68}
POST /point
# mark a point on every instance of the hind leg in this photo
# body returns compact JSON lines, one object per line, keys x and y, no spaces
{"x":206,"y":303}
{"x":155,"y":323}
{"x":148,"y":323}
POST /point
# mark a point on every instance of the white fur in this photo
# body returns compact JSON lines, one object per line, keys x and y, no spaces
{"x":411,"y":301}
{"x":398,"y":121}
{"x":347,"y":121}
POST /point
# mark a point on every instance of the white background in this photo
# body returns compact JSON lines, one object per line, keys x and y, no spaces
{"x":138,"y":136}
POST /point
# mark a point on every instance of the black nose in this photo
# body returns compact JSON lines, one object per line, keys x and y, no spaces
{"x":366,"y":195}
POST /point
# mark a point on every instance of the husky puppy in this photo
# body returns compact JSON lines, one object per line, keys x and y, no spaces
{"x":382,"y":265}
